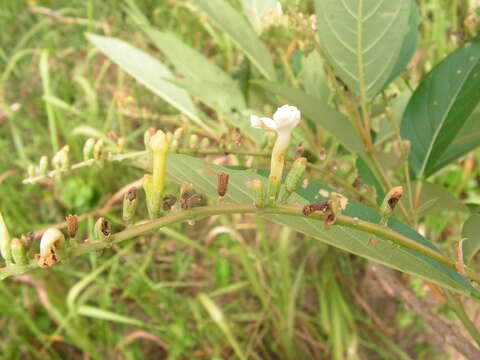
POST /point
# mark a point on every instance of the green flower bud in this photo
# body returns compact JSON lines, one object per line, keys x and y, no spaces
{"x":97,"y":150}
{"x":205,"y":143}
{"x":43,"y":165}
{"x":88,"y":149}
{"x":258,"y":189}
{"x":193,"y":143}
{"x":18,"y":252}
{"x":294,"y":177}
{"x":129,"y":204}
{"x":147,"y":136}
{"x":31,"y":171}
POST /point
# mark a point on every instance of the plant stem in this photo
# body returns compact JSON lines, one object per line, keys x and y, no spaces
{"x":225,"y":209}
{"x":459,"y":309}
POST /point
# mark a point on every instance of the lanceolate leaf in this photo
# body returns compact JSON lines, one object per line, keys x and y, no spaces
{"x":471,"y":233}
{"x":185,"y":169}
{"x":362,"y":39}
{"x":148,"y":71}
{"x":319,"y":112}
{"x":467,"y":139}
{"x":440,"y":106}
{"x":229,"y":20}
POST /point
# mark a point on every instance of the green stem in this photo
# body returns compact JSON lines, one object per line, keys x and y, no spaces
{"x":458,"y":308}
{"x":225,"y":209}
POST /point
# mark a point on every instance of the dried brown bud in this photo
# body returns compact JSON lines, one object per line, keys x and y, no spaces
{"x":132,"y":193}
{"x":300,"y":150}
{"x":311,"y":208}
{"x":168,"y":202}
{"x":357,"y":183}
{"x":72,"y":225}
{"x":27,"y":239}
{"x":222,"y":184}
{"x":395,"y":195}
{"x":190,"y":199}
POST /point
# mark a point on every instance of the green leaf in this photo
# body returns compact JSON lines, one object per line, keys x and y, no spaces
{"x":148,"y":71}
{"x":368,"y":177}
{"x":409,"y":46}
{"x":440,"y":107}
{"x":467,"y":139}
{"x":319,"y":112}
{"x":195,"y":67}
{"x":362,"y":39}
{"x":471,"y":231}
{"x":314,"y":77}
{"x":435,"y":198}
{"x":185,"y":169}
{"x":237,"y":28}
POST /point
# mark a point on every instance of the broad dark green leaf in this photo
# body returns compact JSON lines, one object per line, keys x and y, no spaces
{"x":229,"y":20}
{"x":471,"y":232}
{"x":440,"y":107}
{"x":185,"y":169}
{"x":467,"y":139}
{"x":409,"y":46}
{"x":148,"y":71}
{"x":362,"y":39}
{"x":368,"y":177}
{"x":319,"y":112}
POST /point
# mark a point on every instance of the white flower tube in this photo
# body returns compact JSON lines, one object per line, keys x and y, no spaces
{"x":285,"y":119}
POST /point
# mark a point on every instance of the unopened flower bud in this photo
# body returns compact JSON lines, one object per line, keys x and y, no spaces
{"x":19,"y":253}
{"x":101,"y":230}
{"x":294,"y":177}
{"x":258,"y":190}
{"x":98,"y":150}
{"x":130,"y":204}
{"x":205,"y":143}
{"x":5,"y":242}
{"x":177,"y":134}
{"x":43,"y":165}
{"x":72,"y":225}
{"x":147,"y":136}
{"x":88,"y":149}
{"x":193,"y":142}
{"x":64,"y":159}
{"x":31,"y":171}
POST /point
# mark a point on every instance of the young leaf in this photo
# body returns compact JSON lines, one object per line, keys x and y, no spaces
{"x":439,"y":108}
{"x":362,"y":39}
{"x":471,"y":232}
{"x":319,"y":112}
{"x":185,"y":169}
{"x":148,"y":71}
{"x":237,"y":28}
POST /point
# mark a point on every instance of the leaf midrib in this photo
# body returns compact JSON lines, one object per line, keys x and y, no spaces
{"x":439,"y":128}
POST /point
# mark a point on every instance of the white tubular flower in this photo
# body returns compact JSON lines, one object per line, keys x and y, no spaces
{"x":285,"y":119}
{"x":52,"y":241}
{"x":5,"y":242}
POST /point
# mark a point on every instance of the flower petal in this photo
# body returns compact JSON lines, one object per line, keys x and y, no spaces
{"x":262,"y":123}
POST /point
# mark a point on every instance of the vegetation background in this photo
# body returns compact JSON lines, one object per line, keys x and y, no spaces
{"x":225,"y":287}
